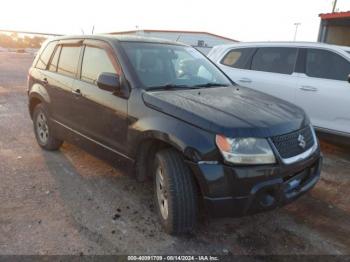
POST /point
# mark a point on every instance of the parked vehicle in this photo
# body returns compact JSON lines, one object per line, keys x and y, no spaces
{"x":314,"y":76}
{"x":175,"y":115}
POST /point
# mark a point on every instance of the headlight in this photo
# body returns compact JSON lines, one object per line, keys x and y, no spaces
{"x":247,"y":151}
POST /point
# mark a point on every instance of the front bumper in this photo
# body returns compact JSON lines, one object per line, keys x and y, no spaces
{"x":243,"y":190}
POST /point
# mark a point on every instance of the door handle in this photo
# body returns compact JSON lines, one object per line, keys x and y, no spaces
{"x":245,"y":80}
{"x":308,"y":88}
{"x":45,"y":81}
{"x":77,"y":92}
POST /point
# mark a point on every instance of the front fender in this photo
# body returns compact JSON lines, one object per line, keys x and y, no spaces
{"x":196,"y":144}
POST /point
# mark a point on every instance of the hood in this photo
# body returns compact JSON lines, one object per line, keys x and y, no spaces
{"x":230,"y":111}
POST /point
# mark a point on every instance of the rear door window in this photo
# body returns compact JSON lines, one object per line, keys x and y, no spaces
{"x":95,"y":61}
{"x":275,"y":59}
{"x":68,"y":60}
{"x":45,"y":56}
{"x":326,"y":64}
{"x":238,"y":58}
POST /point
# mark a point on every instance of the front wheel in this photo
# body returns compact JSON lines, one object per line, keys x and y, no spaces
{"x":43,"y":130}
{"x":176,"y":193}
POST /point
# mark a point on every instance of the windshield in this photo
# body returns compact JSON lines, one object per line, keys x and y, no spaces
{"x":158,"y":65}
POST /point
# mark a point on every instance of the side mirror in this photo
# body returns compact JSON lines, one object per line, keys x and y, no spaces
{"x":349,"y":78}
{"x":109,"y":82}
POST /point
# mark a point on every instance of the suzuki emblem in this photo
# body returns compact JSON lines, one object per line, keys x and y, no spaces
{"x":301,"y":140}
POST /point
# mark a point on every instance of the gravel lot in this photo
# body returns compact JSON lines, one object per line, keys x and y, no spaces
{"x":73,"y":202}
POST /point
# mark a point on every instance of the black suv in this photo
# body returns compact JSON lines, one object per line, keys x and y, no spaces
{"x":181,"y":121}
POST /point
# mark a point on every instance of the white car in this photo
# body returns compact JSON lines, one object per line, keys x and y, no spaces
{"x":314,"y":76}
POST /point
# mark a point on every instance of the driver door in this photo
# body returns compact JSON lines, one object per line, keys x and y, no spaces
{"x":101,"y":115}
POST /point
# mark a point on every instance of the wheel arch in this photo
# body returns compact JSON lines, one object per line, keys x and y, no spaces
{"x":162,"y":139}
{"x":38,"y":94}
{"x":146,"y":149}
{"x":152,"y":143}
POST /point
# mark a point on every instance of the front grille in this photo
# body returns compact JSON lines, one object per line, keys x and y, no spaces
{"x":288,"y":145}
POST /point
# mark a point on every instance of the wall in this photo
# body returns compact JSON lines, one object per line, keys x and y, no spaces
{"x":335,"y":31}
{"x":338,"y":35}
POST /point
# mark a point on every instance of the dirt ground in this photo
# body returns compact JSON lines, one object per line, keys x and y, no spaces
{"x":72,"y":202}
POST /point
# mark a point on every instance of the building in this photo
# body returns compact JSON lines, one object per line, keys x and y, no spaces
{"x":335,"y":28}
{"x":202,"y":41}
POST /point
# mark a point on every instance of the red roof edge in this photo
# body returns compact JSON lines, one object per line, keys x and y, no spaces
{"x":174,"y":31}
{"x":335,"y":15}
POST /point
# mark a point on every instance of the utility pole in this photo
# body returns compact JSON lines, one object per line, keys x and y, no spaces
{"x":296,"y":30}
{"x":334,"y":5}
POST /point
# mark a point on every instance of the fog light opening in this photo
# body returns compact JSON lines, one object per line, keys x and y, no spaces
{"x":267,"y":200}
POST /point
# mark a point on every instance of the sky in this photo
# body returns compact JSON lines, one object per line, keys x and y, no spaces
{"x":244,"y":20}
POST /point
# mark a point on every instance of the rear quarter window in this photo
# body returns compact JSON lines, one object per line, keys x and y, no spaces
{"x":238,"y":58}
{"x":45,"y":56}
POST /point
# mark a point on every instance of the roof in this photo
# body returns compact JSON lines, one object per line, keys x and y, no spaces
{"x":173,"y":31}
{"x":217,"y":50}
{"x":338,"y":15}
{"x":121,"y":38}
{"x":285,"y":43}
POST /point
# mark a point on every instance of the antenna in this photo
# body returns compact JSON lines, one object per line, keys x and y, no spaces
{"x":296,"y":30}
{"x":177,"y":39}
{"x":334,"y":5}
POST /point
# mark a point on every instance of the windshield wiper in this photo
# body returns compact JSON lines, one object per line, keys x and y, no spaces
{"x":209,"y":84}
{"x":170,"y":87}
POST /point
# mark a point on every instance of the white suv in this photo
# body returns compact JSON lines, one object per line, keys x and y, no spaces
{"x":314,"y":76}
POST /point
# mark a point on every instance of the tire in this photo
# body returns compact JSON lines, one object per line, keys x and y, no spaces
{"x":43,"y":129}
{"x":175,"y":191}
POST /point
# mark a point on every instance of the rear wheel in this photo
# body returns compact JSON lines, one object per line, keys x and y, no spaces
{"x":43,"y":130}
{"x":175,"y":192}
